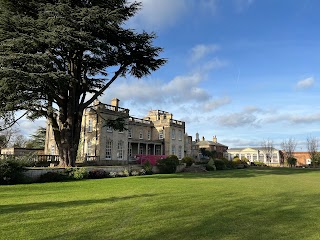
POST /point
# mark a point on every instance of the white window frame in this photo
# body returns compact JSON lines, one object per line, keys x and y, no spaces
{"x":89,"y":147}
{"x":180,"y":135}
{"x":180,"y":152}
{"x":149,"y":135}
{"x":109,"y":149}
{"x":129,"y":133}
{"x":120,"y":150}
{"x":53,"y":149}
{"x":161,"y":134}
{"x":141,"y":134}
{"x":90,"y":125}
{"x":173,"y":133}
{"x":173,"y":150}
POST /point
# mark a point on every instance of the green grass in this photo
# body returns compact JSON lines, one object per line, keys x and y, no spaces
{"x":235,"y":204}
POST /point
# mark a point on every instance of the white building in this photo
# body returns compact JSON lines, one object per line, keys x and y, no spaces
{"x":256,"y":155}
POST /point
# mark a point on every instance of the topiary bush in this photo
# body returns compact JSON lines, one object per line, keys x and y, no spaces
{"x":210,"y":165}
{"x":168,"y":165}
{"x":220,"y":165}
{"x":188,"y":161}
{"x":292,"y":161}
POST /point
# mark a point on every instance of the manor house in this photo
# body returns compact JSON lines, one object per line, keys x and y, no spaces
{"x":156,"y":134}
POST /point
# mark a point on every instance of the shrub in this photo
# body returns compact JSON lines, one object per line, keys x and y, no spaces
{"x":53,"y":177}
{"x":220,"y":165}
{"x":148,"y":168}
{"x":97,"y":173}
{"x":11,"y":170}
{"x":123,"y":173}
{"x":112,"y":174}
{"x":77,"y":173}
{"x":259,"y":164}
{"x":188,"y":161}
{"x":228,"y":164}
{"x":168,"y":165}
{"x":134,"y":173}
{"x":210,"y":165}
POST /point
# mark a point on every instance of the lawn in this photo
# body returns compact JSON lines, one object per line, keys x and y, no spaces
{"x":231,"y":204}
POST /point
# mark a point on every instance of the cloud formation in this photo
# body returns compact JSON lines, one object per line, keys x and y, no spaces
{"x":200,"y":51}
{"x":156,"y":15}
{"x":305,"y":83}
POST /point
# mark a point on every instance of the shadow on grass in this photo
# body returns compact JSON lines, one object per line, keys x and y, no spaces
{"x":284,"y":216}
{"x":19,"y":208}
{"x":237,"y":173}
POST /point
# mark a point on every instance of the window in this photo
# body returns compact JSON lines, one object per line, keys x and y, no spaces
{"x":173,"y":150}
{"x":141,"y":134}
{"x":120,"y":150}
{"x":180,"y":135}
{"x":180,"y":152}
{"x":129,"y":133}
{"x":90,"y":125}
{"x":89,"y":148}
{"x":254,"y":157}
{"x":109,"y":129}
{"x":158,"y":150}
{"x":149,"y":134}
{"x":141,"y":149}
{"x":274,"y":157}
{"x":130,"y":150}
{"x":53,"y":150}
{"x":173,"y":134}
{"x":161,"y":134}
{"x":108,"y":149}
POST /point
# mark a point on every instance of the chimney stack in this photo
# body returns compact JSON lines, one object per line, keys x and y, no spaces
{"x":203,"y":139}
{"x":214,"y":139}
{"x":115,"y":103}
{"x":197,"y":137}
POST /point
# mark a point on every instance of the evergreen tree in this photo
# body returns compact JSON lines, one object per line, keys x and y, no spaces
{"x":38,"y":139}
{"x":58,"y":56}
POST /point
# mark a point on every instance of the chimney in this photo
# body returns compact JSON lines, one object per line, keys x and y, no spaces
{"x":214,"y":139}
{"x":197,"y":137}
{"x":115,"y":103}
{"x":203,"y":139}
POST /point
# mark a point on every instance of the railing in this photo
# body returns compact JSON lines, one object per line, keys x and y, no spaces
{"x":139,"y":120}
{"x":177,"y":122}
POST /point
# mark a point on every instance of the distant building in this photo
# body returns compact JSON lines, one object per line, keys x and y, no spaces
{"x":219,"y":149}
{"x":254,"y":154}
{"x":156,"y":134}
{"x":22,"y":151}
{"x":303,"y":158}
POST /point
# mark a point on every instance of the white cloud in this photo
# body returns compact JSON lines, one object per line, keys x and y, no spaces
{"x":156,"y":14}
{"x":305,"y":83}
{"x":216,"y":103}
{"x":200,"y":51}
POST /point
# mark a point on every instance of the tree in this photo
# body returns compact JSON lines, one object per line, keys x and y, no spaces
{"x":19,"y":141}
{"x":7,"y":136}
{"x":312,"y":145}
{"x":288,"y":147}
{"x":268,"y":149}
{"x":38,"y":139}
{"x":58,"y":56}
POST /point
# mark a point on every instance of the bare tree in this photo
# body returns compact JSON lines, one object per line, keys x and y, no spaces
{"x":289,"y":147}
{"x":312,"y":145}
{"x":268,"y":149}
{"x":6,"y":136}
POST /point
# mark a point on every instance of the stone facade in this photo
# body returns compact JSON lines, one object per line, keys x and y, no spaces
{"x":212,"y":146}
{"x":156,"y":134}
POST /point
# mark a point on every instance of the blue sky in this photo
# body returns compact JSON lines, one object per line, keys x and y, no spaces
{"x":244,"y":70}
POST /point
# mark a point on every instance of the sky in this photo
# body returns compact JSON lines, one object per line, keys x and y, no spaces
{"x":243,"y":70}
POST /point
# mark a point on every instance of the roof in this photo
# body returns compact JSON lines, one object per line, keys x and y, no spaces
{"x":209,"y":143}
{"x":253,"y":148}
